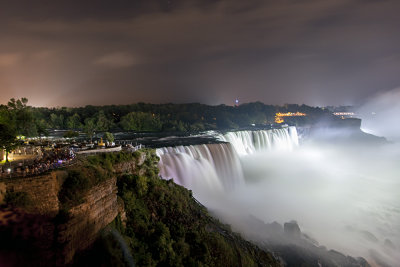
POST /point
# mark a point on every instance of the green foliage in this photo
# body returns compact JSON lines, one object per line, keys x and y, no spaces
{"x":108,"y":136}
{"x":74,"y":122}
{"x":93,"y":170}
{"x":22,"y":117}
{"x":102,"y":122}
{"x":73,"y":188}
{"x":106,"y":160}
{"x":8,"y":140}
{"x":71,"y":134}
{"x":41,"y":126}
{"x":167,"y":227}
{"x":17,"y":118}
{"x":117,"y":223}
{"x":153,"y":117}
{"x":141,"y":185}
{"x":17,"y":199}
{"x":57,"y":121}
{"x":90,"y":127}
{"x":141,"y":121}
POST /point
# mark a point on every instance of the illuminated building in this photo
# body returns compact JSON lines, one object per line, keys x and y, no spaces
{"x":279,"y":116}
{"x":344,"y":115}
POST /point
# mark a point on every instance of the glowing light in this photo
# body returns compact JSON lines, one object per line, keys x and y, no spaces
{"x":279,"y":115}
{"x":290,"y":114}
{"x":344,"y":113}
{"x":278,"y":119}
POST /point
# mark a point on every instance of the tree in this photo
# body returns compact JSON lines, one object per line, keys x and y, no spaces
{"x":109,"y":137}
{"x":71,"y":134}
{"x":57,"y":121}
{"x":103,"y":124}
{"x":8,"y":140}
{"x":22,"y":117}
{"x":42,"y":126}
{"x":141,"y":121}
{"x":90,"y":128}
{"x":74,"y":122}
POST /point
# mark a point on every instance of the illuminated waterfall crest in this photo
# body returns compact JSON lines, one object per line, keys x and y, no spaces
{"x":217,"y":166}
{"x":249,"y":142}
{"x":346,"y":197}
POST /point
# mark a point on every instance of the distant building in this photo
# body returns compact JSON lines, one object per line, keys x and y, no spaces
{"x":344,"y":114}
{"x":279,"y":116}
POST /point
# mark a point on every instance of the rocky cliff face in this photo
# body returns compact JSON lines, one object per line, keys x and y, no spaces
{"x":87,"y":219}
{"x":59,"y":240}
{"x":36,"y":225}
{"x":3,"y":190}
{"x":132,"y":166}
{"x":42,"y":192}
{"x":57,"y":229}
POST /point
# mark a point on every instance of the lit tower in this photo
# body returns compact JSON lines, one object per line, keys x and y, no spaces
{"x":236,"y":102}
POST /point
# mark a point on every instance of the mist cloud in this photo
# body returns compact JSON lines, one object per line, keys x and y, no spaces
{"x":380,"y":115}
{"x":345,"y":198}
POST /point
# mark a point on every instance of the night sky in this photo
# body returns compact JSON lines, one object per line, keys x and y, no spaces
{"x":317,"y":52}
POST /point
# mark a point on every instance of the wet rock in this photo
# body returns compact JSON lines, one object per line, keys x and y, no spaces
{"x":311,"y":240}
{"x":275,"y":227}
{"x":389,"y":244}
{"x":142,"y":158}
{"x":369,"y":236}
{"x":378,"y":258}
{"x":292,"y":229}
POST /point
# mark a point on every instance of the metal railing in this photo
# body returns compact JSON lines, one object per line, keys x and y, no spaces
{"x":35,"y":167}
{"x":40,"y":168}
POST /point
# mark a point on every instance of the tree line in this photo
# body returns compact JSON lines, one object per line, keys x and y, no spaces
{"x":17,"y":118}
{"x":169,"y":117}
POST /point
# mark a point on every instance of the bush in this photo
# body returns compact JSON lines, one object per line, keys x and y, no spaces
{"x":73,"y":188}
{"x":108,"y":136}
{"x":71,"y":134}
{"x":167,"y":227}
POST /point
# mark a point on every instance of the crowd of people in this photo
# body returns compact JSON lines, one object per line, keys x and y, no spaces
{"x":46,"y":159}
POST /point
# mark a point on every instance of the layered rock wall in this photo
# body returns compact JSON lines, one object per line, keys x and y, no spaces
{"x":3,"y":191}
{"x":99,"y":209}
{"x":83,"y":222}
{"x":42,"y":192}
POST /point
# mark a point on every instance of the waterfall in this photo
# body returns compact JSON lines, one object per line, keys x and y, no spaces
{"x":248,"y":142}
{"x":217,"y":166}
{"x":346,"y":197}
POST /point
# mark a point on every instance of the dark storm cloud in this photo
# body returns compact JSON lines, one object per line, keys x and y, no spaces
{"x":314,"y":52}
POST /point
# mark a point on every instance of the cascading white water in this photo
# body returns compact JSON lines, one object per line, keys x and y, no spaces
{"x":248,"y":142}
{"x":215,"y":166}
{"x":344,"y":196}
